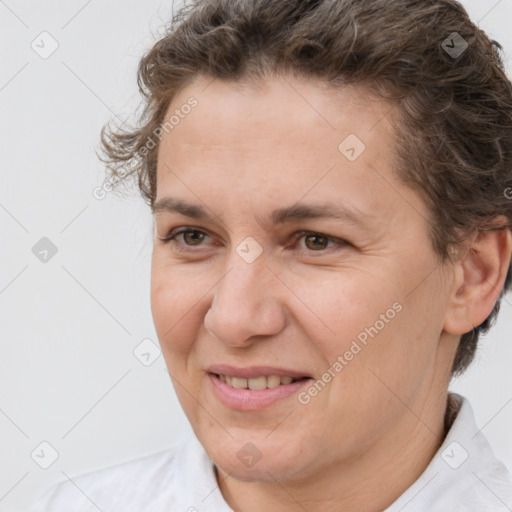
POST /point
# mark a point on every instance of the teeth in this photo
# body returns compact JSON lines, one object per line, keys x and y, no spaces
{"x":238,"y":383}
{"x":273,"y":381}
{"x":257,"y":383}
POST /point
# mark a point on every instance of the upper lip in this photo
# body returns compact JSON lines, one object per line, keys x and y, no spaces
{"x":250,"y":372}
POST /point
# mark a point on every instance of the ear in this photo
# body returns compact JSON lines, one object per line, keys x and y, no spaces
{"x":479,"y":277}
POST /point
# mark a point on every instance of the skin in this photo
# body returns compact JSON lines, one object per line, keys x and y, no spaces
{"x":243,"y":152}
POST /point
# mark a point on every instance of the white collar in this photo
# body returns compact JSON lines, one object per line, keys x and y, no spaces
{"x":464,"y":474}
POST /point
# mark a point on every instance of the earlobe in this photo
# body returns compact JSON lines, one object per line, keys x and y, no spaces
{"x":479,"y":277}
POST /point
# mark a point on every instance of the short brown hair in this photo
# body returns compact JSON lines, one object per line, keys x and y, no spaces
{"x":454,"y":138}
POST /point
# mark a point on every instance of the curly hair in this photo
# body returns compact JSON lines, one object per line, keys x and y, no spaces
{"x":427,"y":58}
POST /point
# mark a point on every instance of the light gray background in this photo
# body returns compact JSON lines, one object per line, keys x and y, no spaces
{"x":68,"y":327}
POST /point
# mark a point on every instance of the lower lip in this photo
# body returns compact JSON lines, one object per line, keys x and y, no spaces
{"x":251,"y":400}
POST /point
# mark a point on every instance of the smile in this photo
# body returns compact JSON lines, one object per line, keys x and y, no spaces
{"x":258,"y":383}
{"x":254,"y":393}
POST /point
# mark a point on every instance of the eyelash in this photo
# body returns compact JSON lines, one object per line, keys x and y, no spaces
{"x":297,"y":236}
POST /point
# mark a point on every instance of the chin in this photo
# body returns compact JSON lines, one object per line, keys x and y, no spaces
{"x":259,"y":460}
{"x":263,"y":471}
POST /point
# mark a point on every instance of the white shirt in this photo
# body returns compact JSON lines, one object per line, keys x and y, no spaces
{"x":463,"y":476}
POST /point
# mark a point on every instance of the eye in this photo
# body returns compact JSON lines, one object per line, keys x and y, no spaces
{"x":318,"y":242}
{"x":308,"y":241}
{"x":185,"y":236}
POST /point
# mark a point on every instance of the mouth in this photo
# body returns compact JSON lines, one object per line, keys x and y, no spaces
{"x":255,"y":388}
{"x":258,"y":383}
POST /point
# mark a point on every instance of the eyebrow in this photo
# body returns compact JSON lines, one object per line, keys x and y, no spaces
{"x":279,"y":216}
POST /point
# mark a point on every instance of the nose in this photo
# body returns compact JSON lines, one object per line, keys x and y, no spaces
{"x":246,"y":304}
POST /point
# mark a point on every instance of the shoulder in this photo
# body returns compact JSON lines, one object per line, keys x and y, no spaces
{"x":132,"y":485}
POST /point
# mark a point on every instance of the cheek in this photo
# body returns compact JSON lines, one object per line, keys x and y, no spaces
{"x":390,"y":360}
{"x":370,"y":322}
{"x":175,"y":306}
{"x":343,"y":307}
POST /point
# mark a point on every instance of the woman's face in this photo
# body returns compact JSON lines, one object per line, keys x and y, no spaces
{"x":303,"y":256}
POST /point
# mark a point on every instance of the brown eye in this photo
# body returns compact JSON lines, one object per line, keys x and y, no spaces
{"x":310,"y":242}
{"x":185,"y":238}
{"x":193,"y":237}
{"x":316,"y":242}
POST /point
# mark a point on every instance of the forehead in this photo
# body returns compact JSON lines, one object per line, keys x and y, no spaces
{"x":307,"y":110}
{"x":287,"y":135}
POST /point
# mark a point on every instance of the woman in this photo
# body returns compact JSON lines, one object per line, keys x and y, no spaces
{"x":329,"y":182}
